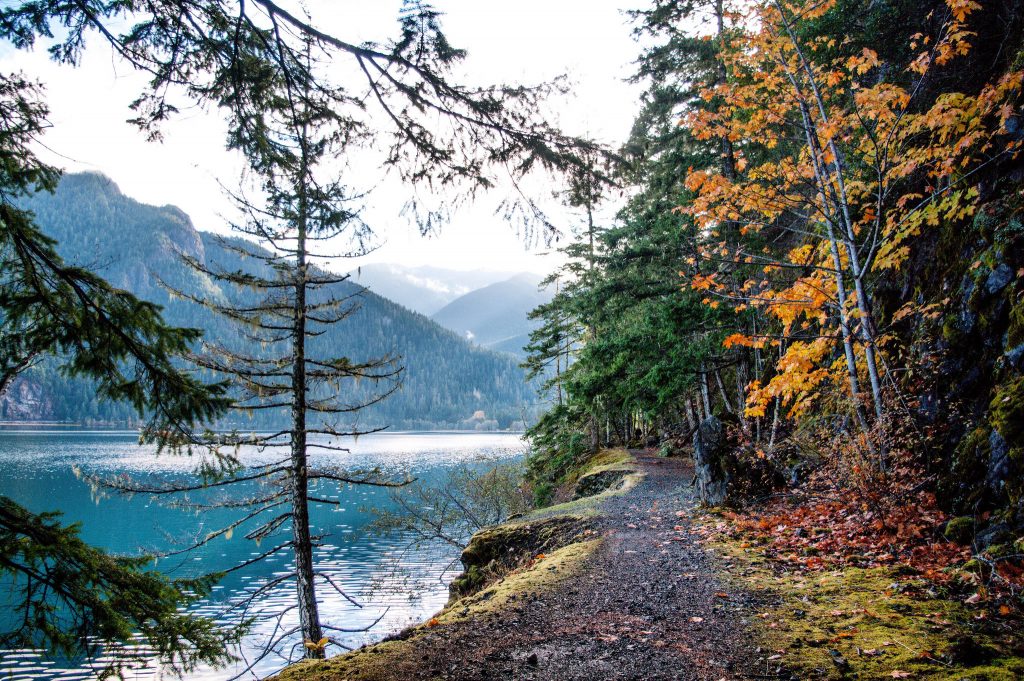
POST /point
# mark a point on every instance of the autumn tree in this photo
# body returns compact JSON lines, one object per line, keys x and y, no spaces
{"x":861,"y":168}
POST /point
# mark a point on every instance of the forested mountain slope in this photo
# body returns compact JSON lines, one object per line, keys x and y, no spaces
{"x":496,"y":316}
{"x":446,"y":380}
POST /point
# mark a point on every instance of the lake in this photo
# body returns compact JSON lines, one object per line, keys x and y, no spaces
{"x":392,"y":583}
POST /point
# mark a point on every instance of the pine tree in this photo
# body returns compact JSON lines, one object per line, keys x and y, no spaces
{"x":67,"y":595}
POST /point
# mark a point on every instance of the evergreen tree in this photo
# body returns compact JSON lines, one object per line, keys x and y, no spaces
{"x":67,"y":595}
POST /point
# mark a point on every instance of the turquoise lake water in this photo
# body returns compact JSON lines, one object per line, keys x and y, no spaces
{"x":389,"y":581}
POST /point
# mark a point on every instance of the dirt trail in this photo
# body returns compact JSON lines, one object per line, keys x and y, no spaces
{"x":646,"y":605}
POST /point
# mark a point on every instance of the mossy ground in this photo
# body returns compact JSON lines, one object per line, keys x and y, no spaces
{"x":876,"y":622}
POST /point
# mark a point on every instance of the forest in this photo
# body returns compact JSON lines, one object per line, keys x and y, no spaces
{"x":822,"y":251}
{"x":781,"y":375}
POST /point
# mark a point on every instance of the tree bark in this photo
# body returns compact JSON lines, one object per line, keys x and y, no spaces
{"x":302,"y":545}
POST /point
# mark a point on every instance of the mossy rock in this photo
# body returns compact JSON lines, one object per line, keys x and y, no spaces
{"x":965,"y":484}
{"x":599,"y":481}
{"x":960,"y":530}
{"x":1006,"y":412}
{"x":1015,"y":330}
{"x":495,"y":551}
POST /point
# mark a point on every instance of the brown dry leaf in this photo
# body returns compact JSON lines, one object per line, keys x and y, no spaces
{"x":608,"y":638}
{"x":721,"y":594}
{"x":900,"y":674}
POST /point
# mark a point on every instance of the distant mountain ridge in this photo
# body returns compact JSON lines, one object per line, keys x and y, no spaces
{"x":496,"y":316}
{"x":424,"y":289}
{"x":448,"y":382}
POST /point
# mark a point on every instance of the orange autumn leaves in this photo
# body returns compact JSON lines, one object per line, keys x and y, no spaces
{"x":849,"y":165}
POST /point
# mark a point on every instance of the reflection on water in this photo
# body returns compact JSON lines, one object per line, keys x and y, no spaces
{"x":390,"y":583}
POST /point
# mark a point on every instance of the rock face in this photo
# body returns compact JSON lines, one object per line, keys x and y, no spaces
{"x":26,"y":401}
{"x":710,"y":451}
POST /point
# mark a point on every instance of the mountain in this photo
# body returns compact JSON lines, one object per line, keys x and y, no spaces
{"x":423,"y":289}
{"x":448,"y":381}
{"x":495,"y":316}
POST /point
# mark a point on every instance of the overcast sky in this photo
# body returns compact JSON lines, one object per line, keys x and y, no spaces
{"x":525,"y":41}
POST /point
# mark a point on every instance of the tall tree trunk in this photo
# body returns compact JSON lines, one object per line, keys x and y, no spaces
{"x":302,"y":545}
{"x":728,"y":156}
{"x":691,"y":421}
{"x":837,"y":263}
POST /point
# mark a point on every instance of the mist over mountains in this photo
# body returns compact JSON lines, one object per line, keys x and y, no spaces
{"x":424,"y":289}
{"x":496,"y":316}
{"x":448,"y":381}
{"x":488,"y":308}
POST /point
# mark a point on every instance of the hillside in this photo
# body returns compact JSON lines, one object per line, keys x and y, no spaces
{"x":447,"y":380}
{"x":495,"y":316}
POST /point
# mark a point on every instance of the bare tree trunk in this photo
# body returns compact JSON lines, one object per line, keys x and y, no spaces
{"x":864,"y":307}
{"x":302,"y":545}
{"x":691,"y":421}
{"x":704,"y":393}
{"x":728,"y":156}
{"x":721,"y":391}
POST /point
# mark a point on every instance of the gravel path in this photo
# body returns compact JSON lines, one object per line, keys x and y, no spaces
{"x":647,"y":605}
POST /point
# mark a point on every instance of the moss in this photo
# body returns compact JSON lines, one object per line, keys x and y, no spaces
{"x":398,"y":658}
{"x":878,"y":627}
{"x":1015,"y":330}
{"x":587,"y":506}
{"x":605,"y":459}
{"x":495,"y":551}
{"x":1006,"y":412}
{"x":960,"y":530}
{"x":970,"y":461}
{"x":603,"y":472}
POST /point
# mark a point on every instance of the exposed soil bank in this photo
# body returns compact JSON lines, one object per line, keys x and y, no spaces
{"x":624,"y":592}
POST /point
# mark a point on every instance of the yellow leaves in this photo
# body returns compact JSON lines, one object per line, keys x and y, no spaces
{"x":701,"y":282}
{"x":862,"y":63}
{"x":743,"y":341}
{"x":316,"y":645}
{"x":800,"y":373}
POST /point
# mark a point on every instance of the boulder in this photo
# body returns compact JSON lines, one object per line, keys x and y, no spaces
{"x":710,"y":453}
{"x":726,"y":474}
